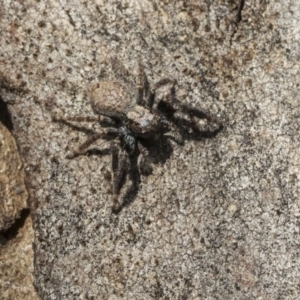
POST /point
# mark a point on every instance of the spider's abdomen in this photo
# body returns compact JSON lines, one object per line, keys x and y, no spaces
{"x":109,"y":98}
{"x":142,"y":121}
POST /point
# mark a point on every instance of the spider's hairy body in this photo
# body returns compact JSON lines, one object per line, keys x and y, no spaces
{"x":109,"y":98}
{"x":112,"y":99}
{"x":133,"y":118}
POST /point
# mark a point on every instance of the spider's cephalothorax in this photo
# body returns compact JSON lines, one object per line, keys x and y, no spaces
{"x":142,"y":121}
{"x":133,"y":119}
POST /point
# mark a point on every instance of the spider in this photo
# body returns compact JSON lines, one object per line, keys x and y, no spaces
{"x":130,"y":119}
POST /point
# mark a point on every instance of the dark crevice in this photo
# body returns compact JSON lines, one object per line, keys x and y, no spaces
{"x":11,"y":232}
{"x":238,"y":19}
{"x":239,"y":12}
{"x":5,"y":117}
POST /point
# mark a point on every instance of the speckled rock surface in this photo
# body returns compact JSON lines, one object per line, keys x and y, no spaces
{"x":220,"y":218}
{"x":16,"y":264}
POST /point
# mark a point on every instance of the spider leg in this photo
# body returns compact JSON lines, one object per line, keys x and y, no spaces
{"x":120,"y":164}
{"x":144,"y":91}
{"x":140,"y":81}
{"x":169,"y":105}
{"x":103,"y":120}
{"x":115,"y":157}
{"x":173,"y":132}
{"x":156,"y":86}
{"x":195,"y":112}
{"x":93,"y":138}
{"x":143,"y":165}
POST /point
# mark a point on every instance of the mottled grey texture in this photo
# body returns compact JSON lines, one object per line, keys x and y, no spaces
{"x":219,"y":219}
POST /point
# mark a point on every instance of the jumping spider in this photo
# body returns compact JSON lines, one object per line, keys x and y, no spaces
{"x":133,"y":119}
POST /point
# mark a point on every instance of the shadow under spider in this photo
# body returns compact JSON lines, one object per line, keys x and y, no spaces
{"x":159,"y":152}
{"x":157,"y":155}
